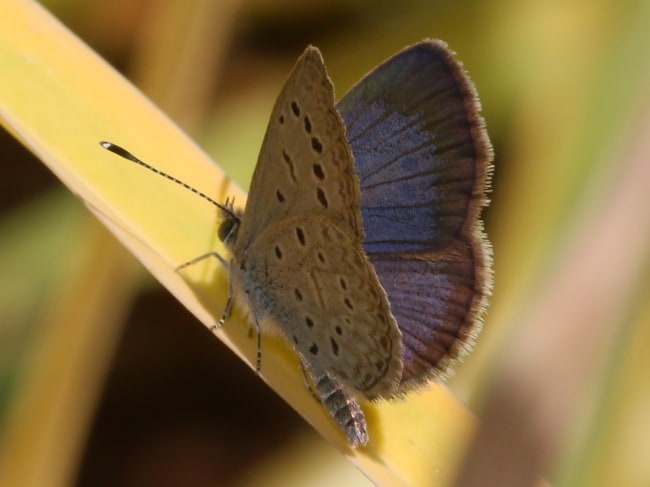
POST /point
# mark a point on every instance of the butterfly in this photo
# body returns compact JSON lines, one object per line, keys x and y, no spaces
{"x":361,"y":238}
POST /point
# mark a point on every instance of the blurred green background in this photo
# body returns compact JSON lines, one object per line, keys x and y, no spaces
{"x":565,"y":93}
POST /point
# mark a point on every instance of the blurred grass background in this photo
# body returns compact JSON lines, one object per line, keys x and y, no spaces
{"x":564,"y":88}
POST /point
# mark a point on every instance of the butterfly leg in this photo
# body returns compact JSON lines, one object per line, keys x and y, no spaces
{"x":258,"y":364}
{"x":229,"y":301}
{"x":226,"y":310}
{"x":258,"y":331}
{"x":226,"y":264}
{"x":307,"y":382}
{"x":344,"y":410}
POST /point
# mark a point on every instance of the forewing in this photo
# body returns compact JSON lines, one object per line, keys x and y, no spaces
{"x":305,"y":163}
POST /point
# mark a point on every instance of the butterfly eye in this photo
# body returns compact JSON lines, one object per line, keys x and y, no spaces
{"x":228,"y":228}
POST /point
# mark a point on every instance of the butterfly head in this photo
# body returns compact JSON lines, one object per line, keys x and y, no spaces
{"x":229,"y":227}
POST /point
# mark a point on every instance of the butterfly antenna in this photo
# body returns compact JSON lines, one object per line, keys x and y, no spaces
{"x":122,"y":152}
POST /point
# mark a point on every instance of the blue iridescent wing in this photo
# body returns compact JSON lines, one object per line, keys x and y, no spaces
{"x":423,"y":160}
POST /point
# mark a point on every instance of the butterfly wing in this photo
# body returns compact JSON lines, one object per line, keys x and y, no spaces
{"x":304,"y":151}
{"x":318,"y":285}
{"x":298,"y":254}
{"x":423,"y":160}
